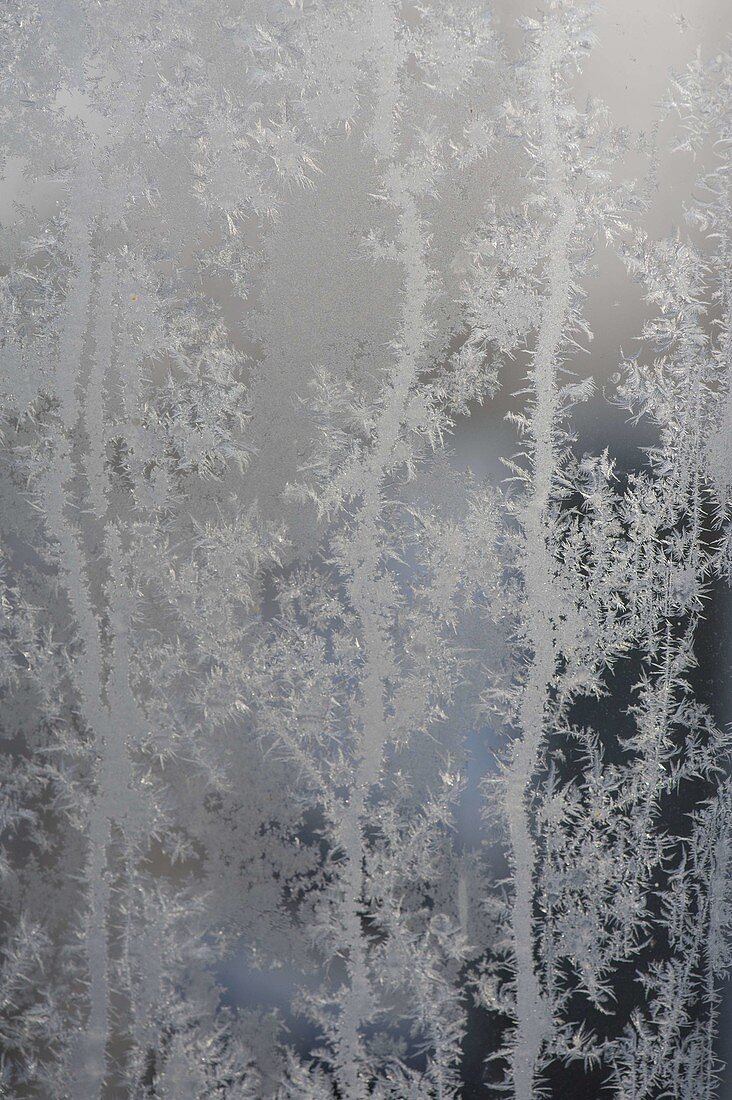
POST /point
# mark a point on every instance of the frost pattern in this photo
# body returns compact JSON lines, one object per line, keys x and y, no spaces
{"x":266,"y":646}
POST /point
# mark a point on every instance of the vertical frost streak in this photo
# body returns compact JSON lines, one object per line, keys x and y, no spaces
{"x":531,"y":1012}
{"x":364,"y":562}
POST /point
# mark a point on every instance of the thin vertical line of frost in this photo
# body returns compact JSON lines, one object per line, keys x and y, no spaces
{"x":361,"y":563}
{"x":532,"y":1021}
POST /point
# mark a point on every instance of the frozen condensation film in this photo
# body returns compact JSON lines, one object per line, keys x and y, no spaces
{"x":365,"y":515}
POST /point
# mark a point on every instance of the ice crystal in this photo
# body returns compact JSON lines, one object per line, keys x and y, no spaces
{"x":332,"y":768}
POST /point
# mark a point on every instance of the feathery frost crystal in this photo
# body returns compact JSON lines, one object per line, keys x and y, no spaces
{"x":335,"y":766}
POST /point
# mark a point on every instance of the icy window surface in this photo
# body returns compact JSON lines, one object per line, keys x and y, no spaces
{"x":365,"y":550}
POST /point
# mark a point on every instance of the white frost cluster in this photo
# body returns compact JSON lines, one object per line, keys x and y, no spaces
{"x":264,"y":643}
